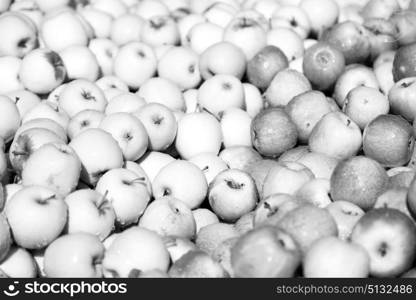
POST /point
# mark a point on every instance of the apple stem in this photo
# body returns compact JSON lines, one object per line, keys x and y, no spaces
{"x":44,"y":201}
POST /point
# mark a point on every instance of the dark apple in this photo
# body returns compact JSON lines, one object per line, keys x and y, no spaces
{"x":262,"y":68}
{"x":322,"y":65}
{"x":404,"y":64}
{"x":389,"y":139}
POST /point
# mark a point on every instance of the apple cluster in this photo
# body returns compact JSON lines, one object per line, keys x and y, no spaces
{"x":207,"y":138}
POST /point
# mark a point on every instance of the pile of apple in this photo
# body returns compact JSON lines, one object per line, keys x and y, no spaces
{"x":207,"y":138}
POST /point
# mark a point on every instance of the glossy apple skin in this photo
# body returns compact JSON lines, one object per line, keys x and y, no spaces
{"x":323,"y":64}
{"x":351,"y":39}
{"x":359,"y":180}
{"x":262,"y":68}
{"x":404,"y":64}
{"x":390,"y":140}
{"x":400,"y":98}
{"x":265,"y":252}
{"x":389,"y":236}
{"x":273,"y":132}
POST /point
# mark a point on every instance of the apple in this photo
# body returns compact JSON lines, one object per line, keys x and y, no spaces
{"x":126,"y":28}
{"x":306,"y":110}
{"x":245,"y":223}
{"x":80,"y":63}
{"x":343,"y":142}
{"x":5,"y":237}
{"x":135,"y":249}
{"x":203,"y":35}
{"x":399,"y":96}
{"x":286,"y":178}
{"x":186,"y":23}
{"x":388,"y":235}
{"x":360,"y":180}
{"x":150,"y":8}
{"x":285,"y":86}
{"x":335,"y":258}
{"x":53,"y":97}
{"x":140,"y":172}
{"x":404,"y":23}
{"x":163,"y":91}
{"x":352,"y":39}
{"x":223,"y":255}
{"x":273,"y":208}
{"x":196,"y":264}
{"x":181,"y":66}
{"x":160,"y":30}
{"x":223,"y":58}
{"x":254,"y":102}
{"x":315,"y":192}
{"x":220,"y":93}
{"x":24,"y":100}
{"x":210,"y":164}
{"x":401,"y":177}
{"x":74,"y":255}
{"x":18,"y":34}
{"x":411,"y":199}
{"x":127,"y":193}
{"x":89,"y":146}
{"x":129,"y":132}
{"x":211,"y":236}
{"x":204,"y":217}
{"x":45,"y":216}
{"x":27,"y":143}
{"x":354,"y":75}
{"x":47,"y":110}
{"x":232,"y":194}
{"x":152,"y":162}
{"x":308,"y":224}
{"x":404,"y":64}
{"x":10,"y":118}
{"x":53,"y":71}
{"x":9,"y":74}
{"x":236,"y":128}
{"x":198,"y":133}
{"x":19,"y":263}
{"x":321,"y":165}
{"x":239,"y":157}
{"x":5,"y":5}
{"x":100,"y":21}
{"x":395,"y":198}
{"x":105,"y":52}
{"x":264,"y":66}
{"x":182,"y":180}
{"x":257,"y":16}
{"x":286,"y":40}
{"x":265,"y":252}
{"x":380,"y":9}
{"x":135,"y":63}
{"x":265,"y":7}
{"x":383,"y":36}
{"x":79,"y":95}
{"x":90,"y":212}
{"x":125,"y":102}
{"x":55,"y":166}
{"x":292,"y":17}
{"x":62,"y":28}
{"x":364,"y":104}
{"x":323,"y":64}
{"x":178,"y":247}
{"x":85,"y":119}
{"x":346,"y":215}
{"x":220,"y":13}
{"x":258,"y":170}
{"x":273,"y":132}
{"x":169,"y":216}
{"x":322,"y":15}
{"x":246,"y":34}
{"x":390,"y":140}
{"x":160,"y":124}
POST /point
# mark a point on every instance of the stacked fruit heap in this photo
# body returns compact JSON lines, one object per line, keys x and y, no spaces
{"x":205,"y":138}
